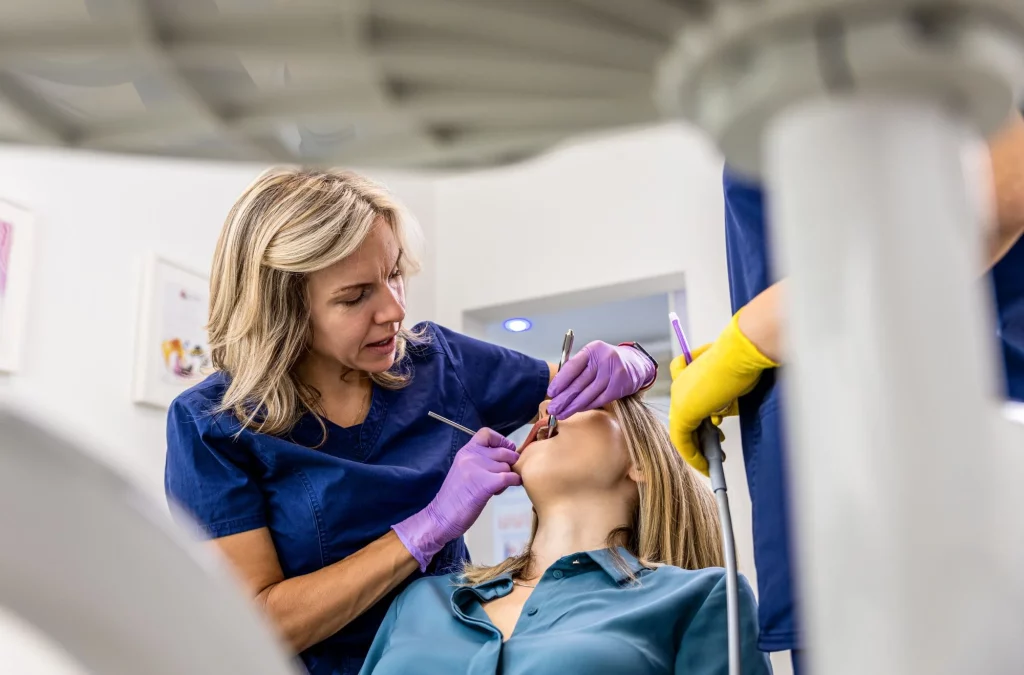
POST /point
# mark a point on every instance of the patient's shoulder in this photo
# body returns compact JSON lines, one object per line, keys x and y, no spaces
{"x":694,"y":584}
{"x":675,"y":575}
{"x":432,"y":587}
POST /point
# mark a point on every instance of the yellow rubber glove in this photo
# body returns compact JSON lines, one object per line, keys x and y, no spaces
{"x":721,"y":372}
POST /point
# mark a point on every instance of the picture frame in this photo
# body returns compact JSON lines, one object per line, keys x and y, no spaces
{"x":16,"y":253}
{"x":172,"y":351}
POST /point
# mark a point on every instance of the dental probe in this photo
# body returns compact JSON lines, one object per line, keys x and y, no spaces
{"x":566,"y":350}
{"x":711,"y":447}
{"x":447,"y":421}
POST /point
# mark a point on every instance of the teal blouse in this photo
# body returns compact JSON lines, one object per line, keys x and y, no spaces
{"x":584,"y":616}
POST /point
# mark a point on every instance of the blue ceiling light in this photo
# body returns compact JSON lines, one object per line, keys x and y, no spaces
{"x":517,"y":325}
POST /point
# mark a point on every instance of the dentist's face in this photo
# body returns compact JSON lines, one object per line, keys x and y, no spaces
{"x":358,"y":304}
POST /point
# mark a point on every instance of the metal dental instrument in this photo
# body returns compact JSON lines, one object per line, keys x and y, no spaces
{"x":711,"y":447}
{"x":447,"y":421}
{"x":566,"y":350}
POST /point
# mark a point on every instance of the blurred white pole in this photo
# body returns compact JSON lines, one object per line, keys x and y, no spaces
{"x":890,"y":381}
{"x":89,"y":562}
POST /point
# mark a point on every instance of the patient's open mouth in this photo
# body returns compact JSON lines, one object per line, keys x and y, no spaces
{"x":539,"y":432}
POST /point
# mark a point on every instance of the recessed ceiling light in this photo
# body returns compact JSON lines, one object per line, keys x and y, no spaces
{"x":517,"y":325}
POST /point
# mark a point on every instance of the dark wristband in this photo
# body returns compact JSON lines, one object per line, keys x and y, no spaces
{"x":637,"y":346}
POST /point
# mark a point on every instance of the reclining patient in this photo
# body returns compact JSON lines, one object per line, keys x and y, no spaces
{"x":622,"y":573}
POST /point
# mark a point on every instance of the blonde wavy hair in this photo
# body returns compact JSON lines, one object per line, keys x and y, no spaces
{"x":289,"y":223}
{"x":675,"y":520}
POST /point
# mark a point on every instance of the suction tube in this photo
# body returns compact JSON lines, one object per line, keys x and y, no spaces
{"x":711,"y":447}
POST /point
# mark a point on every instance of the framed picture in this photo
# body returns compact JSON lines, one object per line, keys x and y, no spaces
{"x":15,"y":270}
{"x":172,"y":352}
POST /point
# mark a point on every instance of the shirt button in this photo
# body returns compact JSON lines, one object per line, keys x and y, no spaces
{"x":557,"y":574}
{"x":532,"y":612}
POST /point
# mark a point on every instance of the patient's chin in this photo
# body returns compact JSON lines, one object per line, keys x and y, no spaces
{"x":536,"y":477}
{"x":545,"y":477}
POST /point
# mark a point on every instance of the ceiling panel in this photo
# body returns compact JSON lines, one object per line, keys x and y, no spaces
{"x":419,"y":83}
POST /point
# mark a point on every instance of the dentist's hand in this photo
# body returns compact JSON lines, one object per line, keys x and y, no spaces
{"x":481,"y":469}
{"x":708,"y":388}
{"x":596,"y":376}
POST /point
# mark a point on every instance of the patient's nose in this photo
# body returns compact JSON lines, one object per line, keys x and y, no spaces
{"x":542,"y":410}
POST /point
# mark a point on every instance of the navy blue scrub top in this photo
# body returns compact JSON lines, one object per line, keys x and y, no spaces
{"x":750,"y":273}
{"x":585,"y":616}
{"x":323,"y":504}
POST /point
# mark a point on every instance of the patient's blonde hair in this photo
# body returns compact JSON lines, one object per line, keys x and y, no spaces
{"x":675,"y":520}
{"x":289,"y":223}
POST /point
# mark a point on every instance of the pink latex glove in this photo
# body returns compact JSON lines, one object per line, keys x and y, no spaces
{"x":599,"y":374}
{"x":482,"y":468}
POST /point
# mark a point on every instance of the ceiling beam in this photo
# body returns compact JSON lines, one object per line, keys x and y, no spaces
{"x":159,"y":56}
{"x":389,"y":114}
{"x":453,"y":108}
{"x":515,"y":25}
{"x":20,"y":43}
{"x":477,"y":149}
{"x":503,"y":68}
{"x":39,"y":122}
{"x":657,"y":17}
{"x":437,"y":108}
{"x":315,"y":33}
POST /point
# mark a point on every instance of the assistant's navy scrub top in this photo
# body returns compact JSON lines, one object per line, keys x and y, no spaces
{"x":585,"y":616}
{"x":323,"y":504}
{"x":764,"y":455}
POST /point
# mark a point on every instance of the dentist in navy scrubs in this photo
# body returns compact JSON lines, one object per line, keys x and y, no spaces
{"x":736,"y":373}
{"x":308,"y":457}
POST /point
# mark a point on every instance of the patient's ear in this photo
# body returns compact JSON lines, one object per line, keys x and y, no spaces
{"x":634,"y":474}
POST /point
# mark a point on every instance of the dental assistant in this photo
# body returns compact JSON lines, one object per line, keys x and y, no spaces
{"x":735,"y":374}
{"x":308,"y":456}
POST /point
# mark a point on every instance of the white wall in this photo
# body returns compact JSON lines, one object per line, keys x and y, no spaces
{"x":598,"y":213}
{"x":95,"y":217}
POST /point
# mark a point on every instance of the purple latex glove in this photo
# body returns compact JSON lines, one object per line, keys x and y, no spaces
{"x":599,"y":374}
{"x":481,"y":469}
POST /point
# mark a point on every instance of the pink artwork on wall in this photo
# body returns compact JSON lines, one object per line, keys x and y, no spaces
{"x":16,"y":225}
{"x":6,"y":237}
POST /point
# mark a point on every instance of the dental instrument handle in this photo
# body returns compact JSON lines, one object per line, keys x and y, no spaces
{"x":711,"y":446}
{"x":567,"y":341}
{"x":678,"y":328}
{"x":447,"y":421}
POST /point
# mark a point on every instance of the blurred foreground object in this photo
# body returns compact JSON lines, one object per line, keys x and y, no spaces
{"x":863,"y":118}
{"x":93,"y":565}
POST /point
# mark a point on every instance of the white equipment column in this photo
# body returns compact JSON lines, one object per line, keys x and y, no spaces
{"x":96,"y":568}
{"x":862,"y":118}
{"x":888,"y":386}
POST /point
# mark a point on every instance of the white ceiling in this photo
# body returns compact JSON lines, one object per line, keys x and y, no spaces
{"x":418,"y":83}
